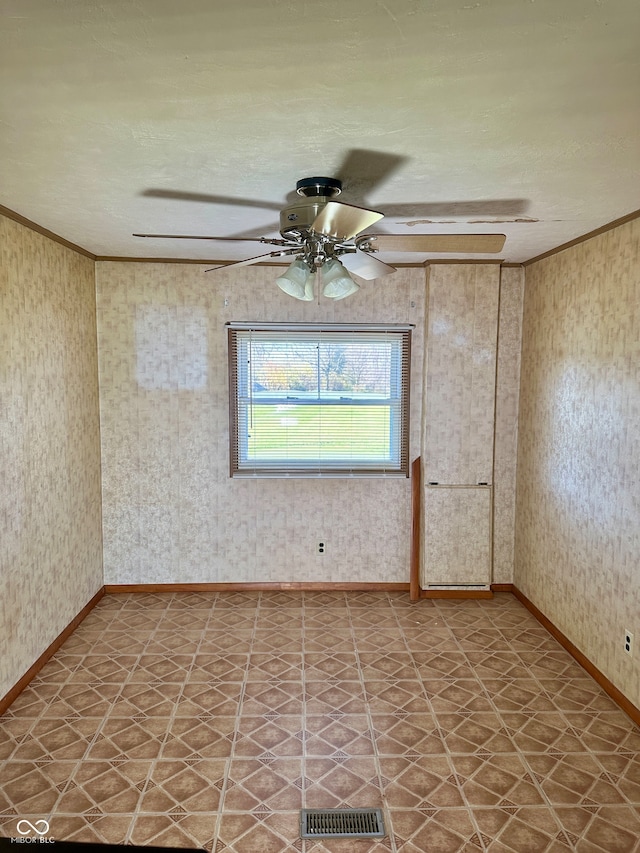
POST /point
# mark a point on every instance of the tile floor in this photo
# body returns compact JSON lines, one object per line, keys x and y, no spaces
{"x":209,"y":720}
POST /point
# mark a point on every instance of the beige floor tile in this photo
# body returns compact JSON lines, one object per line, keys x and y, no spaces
{"x":13,"y":732}
{"x":87,"y":699}
{"x":216,"y":698}
{"x":388,"y":697}
{"x":272,"y":783}
{"x":496,"y":780}
{"x":443,"y":664}
{"x":276,"y":642}
{"x":605,"y":731}
{"x":474,"y":732}
{"x":122,"y":738}
{"x":576,"y":694}
{"x":91,"y":828}
{"x":263,"y":697}
{"x":174,"y":829}
{"x":58,"y":739}
{"x":325,"y":598}
{"x":393,"y":665}
{"x":230,"y":619}
{"x":449,"y":830}
{"x":456,"y":695}
{"x":282,"y":598}
{"x":410,"y":734}
{"x":600,"y":829}
{"x":324,"y":697}
{"x":265,"y":666}
{"x":386,"y":640}
{"x":320,"y":619}
{"x":154,"y":699}
{"x":345,"y":782}
{"x":336,"y":641}
{"x":574,"y":779}
{"x":152,"y":668}
{"x":105,"y":787}
{"x":279,"y":737}
{"x":343,"y":735}
{"x":340,"y":665}
{"x":265,"y":831}
{"x":527,"y":829}
{"x":218,"y":667}
{"x":517,"y":694}
{"x":541,"y":732}
{"x":208,"y":720}
{"x":192,"y":738}
{"x":191,"y":786}
{"x":238,"y":599}
{"x":33,"y":788}
{"x":419,"y":782}
{"x":430,"y":640}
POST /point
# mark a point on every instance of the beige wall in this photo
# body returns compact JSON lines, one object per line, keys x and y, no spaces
{"x":50,"y":536}
{"x":171,"y":512}
{"x":578,"y":495}
{"x":506,"y":433}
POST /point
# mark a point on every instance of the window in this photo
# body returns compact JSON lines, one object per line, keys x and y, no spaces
{"x":319,"y":400}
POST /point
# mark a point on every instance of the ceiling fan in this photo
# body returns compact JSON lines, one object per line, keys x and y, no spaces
{"x":331,"y":236}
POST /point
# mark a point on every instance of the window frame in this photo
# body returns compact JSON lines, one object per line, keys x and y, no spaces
{"x":240,"y":468}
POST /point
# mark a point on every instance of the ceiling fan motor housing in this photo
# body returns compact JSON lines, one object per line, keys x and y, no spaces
{"x":297,"y":219}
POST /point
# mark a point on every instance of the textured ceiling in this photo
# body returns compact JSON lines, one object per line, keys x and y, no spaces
{"x":513,"y":116}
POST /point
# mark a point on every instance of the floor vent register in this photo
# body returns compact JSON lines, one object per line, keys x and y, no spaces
{"x":341,"y":823}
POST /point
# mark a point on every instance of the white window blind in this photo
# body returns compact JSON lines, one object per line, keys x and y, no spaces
{"x":311,"y":400}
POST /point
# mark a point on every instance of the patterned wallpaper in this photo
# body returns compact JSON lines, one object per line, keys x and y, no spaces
{"x":461,"y":373}
{"x":506,"y":433}
{"x":50,"y":535}
{"x":171,"y":512}
{"x":578,"y":495}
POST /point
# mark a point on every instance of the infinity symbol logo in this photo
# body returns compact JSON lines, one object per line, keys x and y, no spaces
{"x":39,"y":827}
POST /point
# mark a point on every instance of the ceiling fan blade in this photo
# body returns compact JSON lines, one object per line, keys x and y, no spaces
{"x":272,"y":241}
{"x":179,"y":195}
{"x":366,"y":266}
{"x":446,"y":243}
{"x":343,"y":221}
{"x":362,"y":170}
{"x":486,"y":210}
{"x":248,"y":261}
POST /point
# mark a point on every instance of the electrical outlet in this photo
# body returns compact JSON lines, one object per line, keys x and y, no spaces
{"x":321,"y":547}
{"x":628,"y":643}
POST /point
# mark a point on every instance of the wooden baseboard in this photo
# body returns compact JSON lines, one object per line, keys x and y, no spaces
{"x":416,"y":516}
{"x":608,"y":686}
{"x":456,"y":593}
{"x":253,"y":587}
{"x":33,"y":670}
{"x":501,"y":587}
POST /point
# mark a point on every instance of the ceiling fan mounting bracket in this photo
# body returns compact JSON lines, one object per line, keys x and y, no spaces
{"x":312,"y":187}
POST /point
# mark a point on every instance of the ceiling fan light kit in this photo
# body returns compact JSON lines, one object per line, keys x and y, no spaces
{"x":337,"y":281}
{"x":297,"y":281}
{"x":318,"y":231}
